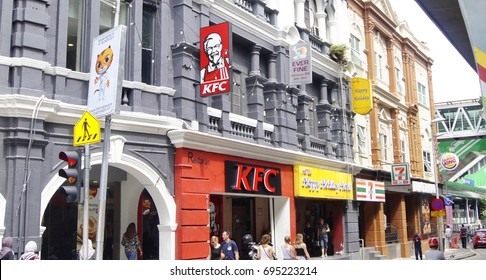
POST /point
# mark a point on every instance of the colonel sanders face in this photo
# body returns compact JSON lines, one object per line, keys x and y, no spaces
{"x":213,"y":46}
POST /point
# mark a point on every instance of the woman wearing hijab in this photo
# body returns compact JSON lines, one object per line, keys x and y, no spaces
{"x":30,"y":252}
{"x":131,"y":242}
{"x":7,"y":253}
{"x":91,"y":252}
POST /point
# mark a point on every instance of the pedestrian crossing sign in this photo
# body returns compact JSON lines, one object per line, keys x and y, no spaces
{"x":87,"y":130}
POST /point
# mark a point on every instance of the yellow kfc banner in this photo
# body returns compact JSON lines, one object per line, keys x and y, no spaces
{"x":321,"y":183}
{"x":362,"y":95}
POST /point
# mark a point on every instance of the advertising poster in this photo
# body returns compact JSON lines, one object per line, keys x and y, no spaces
{"x":216,"y":48}
{"x":362,"y":95}
{"x":300,"y":63}
{"x":106,"y":72}
{"x":94,"y":205}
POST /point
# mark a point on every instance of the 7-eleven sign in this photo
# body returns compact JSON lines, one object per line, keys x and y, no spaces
{"x":400,"y":174}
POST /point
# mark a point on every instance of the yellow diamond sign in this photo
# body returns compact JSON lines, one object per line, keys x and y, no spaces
{"x":87,"y":130}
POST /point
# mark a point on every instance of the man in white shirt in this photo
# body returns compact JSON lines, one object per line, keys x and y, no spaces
{"x":448,"y":236}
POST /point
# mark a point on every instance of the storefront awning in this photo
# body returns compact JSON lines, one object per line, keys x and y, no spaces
{"x":464,"y":190}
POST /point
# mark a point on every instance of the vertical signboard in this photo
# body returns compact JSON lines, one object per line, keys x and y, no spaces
{"x":216,"y":47}
{"x":473,"y":14}
{"x":300,"y":63}
{"x":400,"y":174}
{"x":106,"y":72}
{"x":362,"y":95}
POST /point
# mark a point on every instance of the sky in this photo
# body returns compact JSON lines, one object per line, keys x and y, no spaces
{"x":453,"y":78}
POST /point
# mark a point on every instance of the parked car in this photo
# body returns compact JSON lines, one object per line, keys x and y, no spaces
{"x":479,"y":238}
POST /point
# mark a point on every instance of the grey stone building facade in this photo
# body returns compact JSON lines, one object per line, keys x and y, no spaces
{"x":45,"y":64}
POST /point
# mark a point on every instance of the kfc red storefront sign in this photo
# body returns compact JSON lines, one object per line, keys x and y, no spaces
{"x":215,"y":57}
{"x":252,"y":179}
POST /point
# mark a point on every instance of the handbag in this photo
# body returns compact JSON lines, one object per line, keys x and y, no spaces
{"x":273,"y":254}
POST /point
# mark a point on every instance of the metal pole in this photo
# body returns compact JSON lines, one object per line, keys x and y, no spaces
{"x":117,"y":14}
{"x":87,"y":167}
{"x":437,"y":195}
{"x":103,"y":182}
{"x":100,"y":233}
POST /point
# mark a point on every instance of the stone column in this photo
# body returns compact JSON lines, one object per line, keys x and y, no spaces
{"x":391,"y":63}
{"x":369,"y":42}
{"x":300,"y":13}
{"x":431,"y":92}
{"x":374,"y":228}
{"x":321,"y":24}
{"x":397,"y":148}
{"x":255,"y":60}
{"x":323,"y":93}
{"x":333,"y":31}
{"x":272,"y":68}
{"x":398,"y":219}
{"x":374,"y":130}
{"x":256,"y":101}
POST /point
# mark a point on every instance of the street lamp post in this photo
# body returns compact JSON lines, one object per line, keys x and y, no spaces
{"x":437,"y":196}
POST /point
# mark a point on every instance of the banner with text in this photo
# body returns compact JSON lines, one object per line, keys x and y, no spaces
{"x":362,"y":95}
{"x":321,"y":183}
{"x":215,"y":59}
{"x":300,"y":64}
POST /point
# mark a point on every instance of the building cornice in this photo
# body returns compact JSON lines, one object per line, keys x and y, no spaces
{"x":196,"y":140}
{"x":54,"y":111}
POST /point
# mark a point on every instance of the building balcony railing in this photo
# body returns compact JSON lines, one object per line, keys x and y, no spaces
{"x":259,"y":9}
{"x":240,"y":126}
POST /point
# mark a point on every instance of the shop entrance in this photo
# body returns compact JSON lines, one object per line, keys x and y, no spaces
{"x":63,"y":238}
{"x":148,"y":220}
{"x":241,"y":216}
{"x":308,"y":214}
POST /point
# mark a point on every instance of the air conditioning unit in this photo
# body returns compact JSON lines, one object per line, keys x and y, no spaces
{"x":315,"y":31}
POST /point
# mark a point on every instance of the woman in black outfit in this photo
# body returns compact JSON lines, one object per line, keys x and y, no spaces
{"x":301,"y":248}
{"x":214,"y":249}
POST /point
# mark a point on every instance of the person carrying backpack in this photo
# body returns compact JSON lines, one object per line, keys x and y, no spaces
{"x":463,"y":236}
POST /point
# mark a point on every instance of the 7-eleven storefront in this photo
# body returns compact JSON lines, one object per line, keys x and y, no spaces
{"x":216,"y":192}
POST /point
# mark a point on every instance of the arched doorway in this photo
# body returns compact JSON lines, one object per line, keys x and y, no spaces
{"x":140,"y":176}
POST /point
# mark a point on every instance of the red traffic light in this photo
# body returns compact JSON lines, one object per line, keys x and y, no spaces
{"x":72,"y":158}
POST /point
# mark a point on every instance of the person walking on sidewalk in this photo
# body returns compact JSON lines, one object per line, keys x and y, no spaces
{"x":434,"y":253}
{"x":288,"y":250}
{"x":417,"y":244}
{"x":300,"y":248}
{"x":448,"y":236}
{"x":322,"y":231}
{"x":463,"y":236}
{"x":229,"y":249}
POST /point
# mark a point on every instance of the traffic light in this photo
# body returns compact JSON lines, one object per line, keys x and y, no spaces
{"x":72,"y":174}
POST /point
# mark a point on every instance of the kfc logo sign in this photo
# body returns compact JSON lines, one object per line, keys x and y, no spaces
{"x":215,"y":52}
{"x":246,"y":178}
{"x":213,"y":88}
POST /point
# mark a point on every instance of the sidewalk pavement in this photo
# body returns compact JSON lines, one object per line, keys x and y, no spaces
{"x":450,"y":254}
